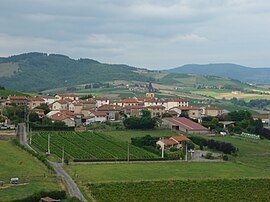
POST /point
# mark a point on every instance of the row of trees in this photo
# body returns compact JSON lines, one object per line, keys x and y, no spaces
{"x":258,"y":103}
{"x":226,"y":148}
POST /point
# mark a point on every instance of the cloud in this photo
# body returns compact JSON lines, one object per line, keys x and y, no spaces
{"x":148,"y":33}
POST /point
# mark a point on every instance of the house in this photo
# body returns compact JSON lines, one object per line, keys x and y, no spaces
{"x":265,"y":119}
{"x":59,"y":105}
{"x":175,"y":102}
{"x":174,"y":141}
{"x":18,"y":100}
{"x":48,"y":99}
{"x":127,"y":102}
{"x":75,"y":107}
{"x":113,"y":111}
{"x":156,"y":111}
{"x":166,"y":143}
{"x":35,"y":102}
{"x":135,"y":111}
{"x":88,"y":103}
{"x":95,"y":116}
{"x":66,"y":96}
{"x":212,"y":111}
{"x":184,"y":125}
{"x":179,"y":139}
{"x":192,"y":112}
{"x":63,"y":117}
{"x":101,"y":101}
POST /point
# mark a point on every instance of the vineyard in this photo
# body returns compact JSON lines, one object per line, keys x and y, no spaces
{"x":184,"y":190}
{"x":88,"y":146}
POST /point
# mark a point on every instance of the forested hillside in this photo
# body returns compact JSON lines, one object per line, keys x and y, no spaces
{"x":39,"y":71}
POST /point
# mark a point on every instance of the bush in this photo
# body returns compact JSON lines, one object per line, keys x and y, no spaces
{"x":37,"y":196}
{"x":173,"y":149}
{"x":225,"y":158}
{"x":209,"y":155}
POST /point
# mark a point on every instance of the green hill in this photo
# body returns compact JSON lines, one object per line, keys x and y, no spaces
{"x":40,"y":71}
{"x":242,"y":73}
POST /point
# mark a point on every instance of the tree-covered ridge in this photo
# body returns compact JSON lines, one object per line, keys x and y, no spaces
{"x":39,"y":71}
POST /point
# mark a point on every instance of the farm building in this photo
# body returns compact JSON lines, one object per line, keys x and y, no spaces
{"x":184,"y":125}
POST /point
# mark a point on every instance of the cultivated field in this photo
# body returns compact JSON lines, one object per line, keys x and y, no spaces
{"x":88,"y":146}
{"x":33,"y":176}
{"x":244,"y":178}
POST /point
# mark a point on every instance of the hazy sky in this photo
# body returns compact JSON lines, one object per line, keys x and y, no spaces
{"x":146,"y":33}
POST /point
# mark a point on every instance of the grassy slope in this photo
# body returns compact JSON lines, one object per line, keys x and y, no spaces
{"x":18,"y":163}
{"x":5,"y":93}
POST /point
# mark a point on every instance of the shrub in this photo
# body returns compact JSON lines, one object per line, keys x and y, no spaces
{"x":225,"y":158}
{"x":209,"y":155}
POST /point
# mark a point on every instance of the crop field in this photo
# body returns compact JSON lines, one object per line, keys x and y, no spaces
{"x":33,"y":176}
{"x":243,"y":178}
{"x":184,"y":190}
{"x":88,"y":146}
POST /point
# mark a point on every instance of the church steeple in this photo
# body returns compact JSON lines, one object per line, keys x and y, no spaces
{"x":150,"y":88}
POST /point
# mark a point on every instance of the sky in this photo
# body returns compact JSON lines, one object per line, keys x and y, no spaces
{"x":155,"y":34}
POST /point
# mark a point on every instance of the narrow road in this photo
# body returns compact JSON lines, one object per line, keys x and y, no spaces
{"x":71,"y":185}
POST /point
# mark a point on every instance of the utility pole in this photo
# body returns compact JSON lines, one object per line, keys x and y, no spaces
{"x":128,"y":153}
{"x":30,"y":136}
{"x":186,"y":151}
{"x":63,"y":156}
{"x":49,"y":142}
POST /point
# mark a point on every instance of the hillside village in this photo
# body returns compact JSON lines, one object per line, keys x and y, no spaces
{"x":74,"y":112}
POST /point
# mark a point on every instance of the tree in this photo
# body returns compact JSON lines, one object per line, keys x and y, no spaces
{"x":44,"y":107}
{"x":145,"y":122}
{"x":33,"y":117}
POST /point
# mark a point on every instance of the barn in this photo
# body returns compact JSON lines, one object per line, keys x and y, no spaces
{"x":184,"y":125}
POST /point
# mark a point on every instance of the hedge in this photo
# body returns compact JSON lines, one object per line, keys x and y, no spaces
{"x":37,"y":196}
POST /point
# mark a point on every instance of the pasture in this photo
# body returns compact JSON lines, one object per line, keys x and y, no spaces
{"x":33,"y":175}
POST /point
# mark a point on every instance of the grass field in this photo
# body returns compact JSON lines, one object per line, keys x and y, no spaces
{"x":18,"y":163}
{"x":88,"y":146}
{"x":219,"y":94}
{"x":233,"y":181}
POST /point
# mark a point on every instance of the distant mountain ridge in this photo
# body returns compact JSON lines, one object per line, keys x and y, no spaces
{"x":41,"y":71}
{"x":233,"y":71}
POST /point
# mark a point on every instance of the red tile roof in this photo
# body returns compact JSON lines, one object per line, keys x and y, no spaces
{"x":110,"y":108}
{"x":188,"y":108}
{"x":134,"y":107}
{"x":186,"y":124}
{"x":155,"y":107}
{"x":180,"y":138}
{"x":98,"y":113}
{"x":17,"y":98}
{"x":169,"y":142}
{"x":261,"y":117}
{"x":128,"y":100}
{"x":176,"y":100}
{"x":33,"y":99}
